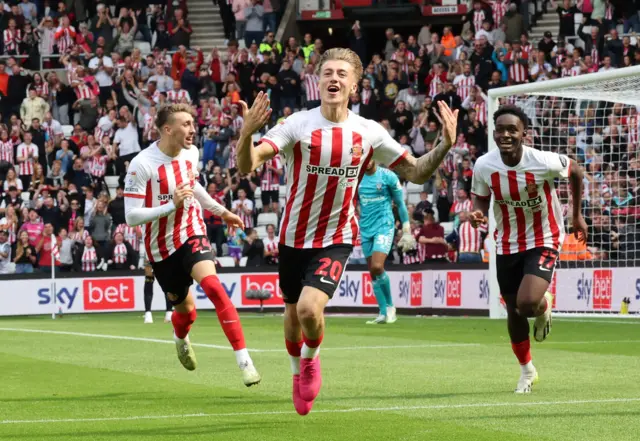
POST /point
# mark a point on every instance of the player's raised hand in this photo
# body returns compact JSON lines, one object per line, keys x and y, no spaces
{"x":258,"y":115}
{"x":232,"y":220}
{"x":476,"y":218}
{"x":580,"y":229}
{"x":181,"y":193}
{"x":449,"y":122}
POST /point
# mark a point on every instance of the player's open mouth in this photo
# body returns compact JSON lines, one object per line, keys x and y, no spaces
{"x":333,"y":89}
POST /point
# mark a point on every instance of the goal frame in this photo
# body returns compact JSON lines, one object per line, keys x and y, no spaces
{"x":542,"y":88}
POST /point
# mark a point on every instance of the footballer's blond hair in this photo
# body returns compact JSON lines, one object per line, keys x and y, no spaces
{"x":342,"y":54}
{"x":165,"y":113}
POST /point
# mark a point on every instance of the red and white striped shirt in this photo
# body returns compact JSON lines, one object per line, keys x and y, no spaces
{"x":6,"y":151}
{"x":270,"y":181}
{"x":595,"y":55}
{"x":26,"y":167}
{"x":408,"y":59}
{"x":97,"y":166}
{"x":325,"y":163}
{"x":65,"y":38}
{"x":311,"y":88}
{"x":153,"y":177}
{"x":120,"y":254}
{"x":12,"y":39}
{"x":499,"y":8}
{"x":104,"y":128}
{"x":52,"y":128}
{"x":632,"y":128}
{"x":459,"y":206}
{"x":608,"y":11}
{"x":231,"y":162}
{"x":42,"y":89}
{"x":176,"y":96}
{"x":83,"y":92}
{"x":480,"y":106}
{"x":526,"y":48}
{"x":526,"y":207}
{"x":237,"y":123}
{"x":131,"y":235}
{"x":271,"y":245}
{"x":89,"y":259}
{"x":469,"y":238}
{"x":478,"y":18}
{"x":244,"y":209}
{"x":517,"y":72}
{"x":464,"y":84}
{"x":573,"y":72}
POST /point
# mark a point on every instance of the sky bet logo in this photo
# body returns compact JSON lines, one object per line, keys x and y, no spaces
{"x":483,"y":289}
{"x":368,"y":296}
{"x":598,"y":288}
{"x":411,"y":290}
{"x":64,"y":298}
{"x":637,"y":289}
{"x":449,"y":290}
{"x":349,"y":288}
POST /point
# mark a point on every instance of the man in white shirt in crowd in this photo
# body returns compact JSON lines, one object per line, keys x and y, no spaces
{"x":164,"y":83}
{"x":126,"y":143}
{"x":5,"y":253}
{"x":101,"y":67}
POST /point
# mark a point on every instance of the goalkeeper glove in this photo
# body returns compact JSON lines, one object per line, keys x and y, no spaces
{"x":407,"y":242}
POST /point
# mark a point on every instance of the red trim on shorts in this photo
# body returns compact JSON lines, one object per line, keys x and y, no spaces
{"x":331,"y":189}
{"x":271,"y":143}
{"x":135,"y":196}
{"x":553,"y":223}
{"x":537,"y":215}
{"x":162,"y":222}
{"x":297,"y":165}
{"x":506,"y":226}
{"x":315,"y":152}
{"x":521,"y":220}
{"x":397,"y":161}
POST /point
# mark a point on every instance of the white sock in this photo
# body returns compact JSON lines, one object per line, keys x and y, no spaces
{"x":527,"y":369}
{"x":243,"y":358}
{"x":295,"y":364}
{"x":308,"y":352}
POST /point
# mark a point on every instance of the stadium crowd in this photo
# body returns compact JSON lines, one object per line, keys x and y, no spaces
{"x":62,"y":140}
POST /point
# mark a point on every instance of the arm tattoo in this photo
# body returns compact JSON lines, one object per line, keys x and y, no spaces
{"x":420,"y":170}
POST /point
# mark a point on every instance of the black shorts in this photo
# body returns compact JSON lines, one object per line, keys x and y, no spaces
{"x":269,"y":196}
{"x":511,"y":268}
{"x":321,"y":268}
{"x":174,"y":273}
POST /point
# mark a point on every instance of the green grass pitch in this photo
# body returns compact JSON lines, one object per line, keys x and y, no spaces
{"x":420,"y":379}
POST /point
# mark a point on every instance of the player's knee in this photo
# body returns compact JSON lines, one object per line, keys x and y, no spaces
{"x":306,"y":312}
{"x":376,"y":269}
{"x":526,"y":307}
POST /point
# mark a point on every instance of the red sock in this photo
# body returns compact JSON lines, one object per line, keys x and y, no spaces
{"x":227,"y":314}
{"x":293,"y":347}
{"x":522,"y":351}
{"x":182,"y":322}
{"x":313,"y":343}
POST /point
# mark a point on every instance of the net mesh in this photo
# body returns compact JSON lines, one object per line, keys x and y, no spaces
{"x":597,"y":125}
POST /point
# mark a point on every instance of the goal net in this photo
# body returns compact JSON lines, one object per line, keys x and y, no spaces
{"x":594,"y":119}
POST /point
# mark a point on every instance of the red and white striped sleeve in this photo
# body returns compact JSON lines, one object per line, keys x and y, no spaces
{"x":284,"y":135}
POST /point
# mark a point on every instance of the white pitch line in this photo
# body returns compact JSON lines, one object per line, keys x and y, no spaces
{"x":350,"y":410}
{"x":207,"y":345}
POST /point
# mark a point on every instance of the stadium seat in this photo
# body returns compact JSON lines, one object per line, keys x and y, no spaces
{"x":67,"y":131}
{"x":144,"y":47}
{"x":243,"y":261}
{"x":226,"y":262}
{"x":262,"y":231}
{"x":265,"y":219}
{"x":448,"y":227}
{"x":26,"y":196}
{"x":258,"y":200}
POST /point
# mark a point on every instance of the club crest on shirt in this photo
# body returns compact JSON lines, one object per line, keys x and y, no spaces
{"x":356,"y":151}
{"x":379,"y":186}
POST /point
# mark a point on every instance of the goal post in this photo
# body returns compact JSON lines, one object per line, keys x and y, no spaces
{"x":594,"y":119}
